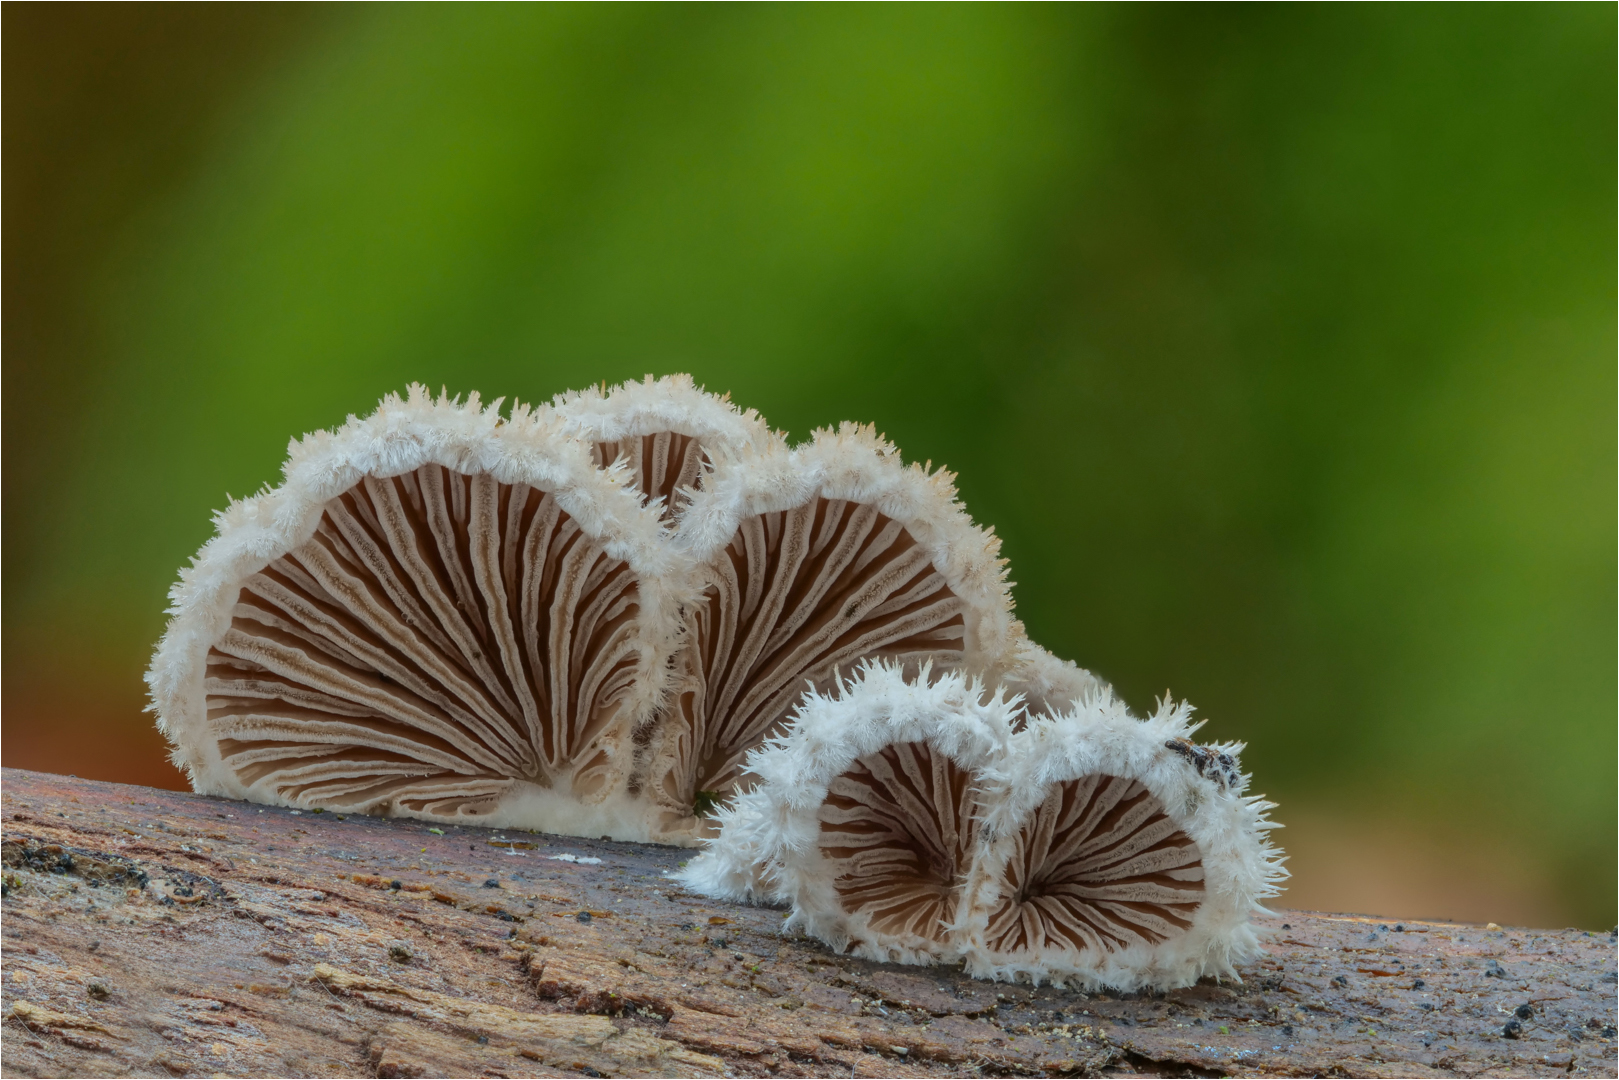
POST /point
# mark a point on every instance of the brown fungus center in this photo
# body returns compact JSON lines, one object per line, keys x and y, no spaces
{"x":897,"y":832}
{"x":1100,"y":867}
{"x":440,"y":636}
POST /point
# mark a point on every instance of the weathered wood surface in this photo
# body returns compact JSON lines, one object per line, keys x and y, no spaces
{"x":154,"y":933}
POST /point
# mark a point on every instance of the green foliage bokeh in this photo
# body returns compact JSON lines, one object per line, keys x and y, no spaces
{"x":1276,"y":343}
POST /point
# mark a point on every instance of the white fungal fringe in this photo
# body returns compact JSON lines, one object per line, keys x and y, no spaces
{"x":674,"y":403}
{"x":1048,"y":684}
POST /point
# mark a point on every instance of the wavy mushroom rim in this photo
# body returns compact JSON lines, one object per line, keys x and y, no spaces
{"x":665,"y":433}
{"x":672,"y":403}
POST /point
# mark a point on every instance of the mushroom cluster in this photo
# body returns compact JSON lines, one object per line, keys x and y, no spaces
{"x":926,"y":820}
{"x":639,"y":613}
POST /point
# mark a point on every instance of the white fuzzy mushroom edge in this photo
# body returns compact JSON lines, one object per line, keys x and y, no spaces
{"x":671,"y":403}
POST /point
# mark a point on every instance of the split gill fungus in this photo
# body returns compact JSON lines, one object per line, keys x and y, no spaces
{"x":638,"y":612}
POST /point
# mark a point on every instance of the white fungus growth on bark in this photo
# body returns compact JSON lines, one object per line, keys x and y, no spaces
{"x":931,"y":820}
{"x":638,"y":612}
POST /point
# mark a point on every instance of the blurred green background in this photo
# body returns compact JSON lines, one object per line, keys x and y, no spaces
{"x":1278,"y":343}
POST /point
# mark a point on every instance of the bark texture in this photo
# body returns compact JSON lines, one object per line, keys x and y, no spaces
{"x":152,"y":933}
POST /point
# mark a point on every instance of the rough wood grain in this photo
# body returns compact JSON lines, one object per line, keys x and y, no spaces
{"x":162,"y":934}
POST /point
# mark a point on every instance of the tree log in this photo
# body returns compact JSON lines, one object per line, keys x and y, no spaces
{"x":158,"y":933}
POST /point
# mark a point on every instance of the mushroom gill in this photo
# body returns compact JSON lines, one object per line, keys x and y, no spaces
{"x":795,"y":595}
{"x":664,"y":464}
{"x":440,"y":638}
{"x":1098,"y":867}
{"x":896,"y":837}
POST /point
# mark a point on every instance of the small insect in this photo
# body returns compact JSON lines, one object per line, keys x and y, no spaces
{"x":1217,"y":766}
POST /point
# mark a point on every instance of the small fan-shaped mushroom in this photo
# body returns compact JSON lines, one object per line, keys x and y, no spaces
{"x":667,"y":431}
{"x":1116,"y":861}
{"x":813,"y":560}
{"x":865,"y":816}
{"x":439,"y":614}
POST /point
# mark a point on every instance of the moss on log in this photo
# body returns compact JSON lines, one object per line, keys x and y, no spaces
{"x":156,"y":933}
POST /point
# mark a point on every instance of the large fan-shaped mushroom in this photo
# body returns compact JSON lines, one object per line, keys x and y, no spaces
{"x":440,"y":613}
{"x":1124,"y":855}
{"x":865,"y":819}
{"x":824,"y":557}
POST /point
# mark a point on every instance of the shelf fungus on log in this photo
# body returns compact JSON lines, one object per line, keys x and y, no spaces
{"x":579,"y":618}
{"x":809,"y":561}
{"x":441,"y":613}
{"x":638,"y":613}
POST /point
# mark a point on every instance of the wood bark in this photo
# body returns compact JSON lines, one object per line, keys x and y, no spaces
{"x":154,"y":933}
